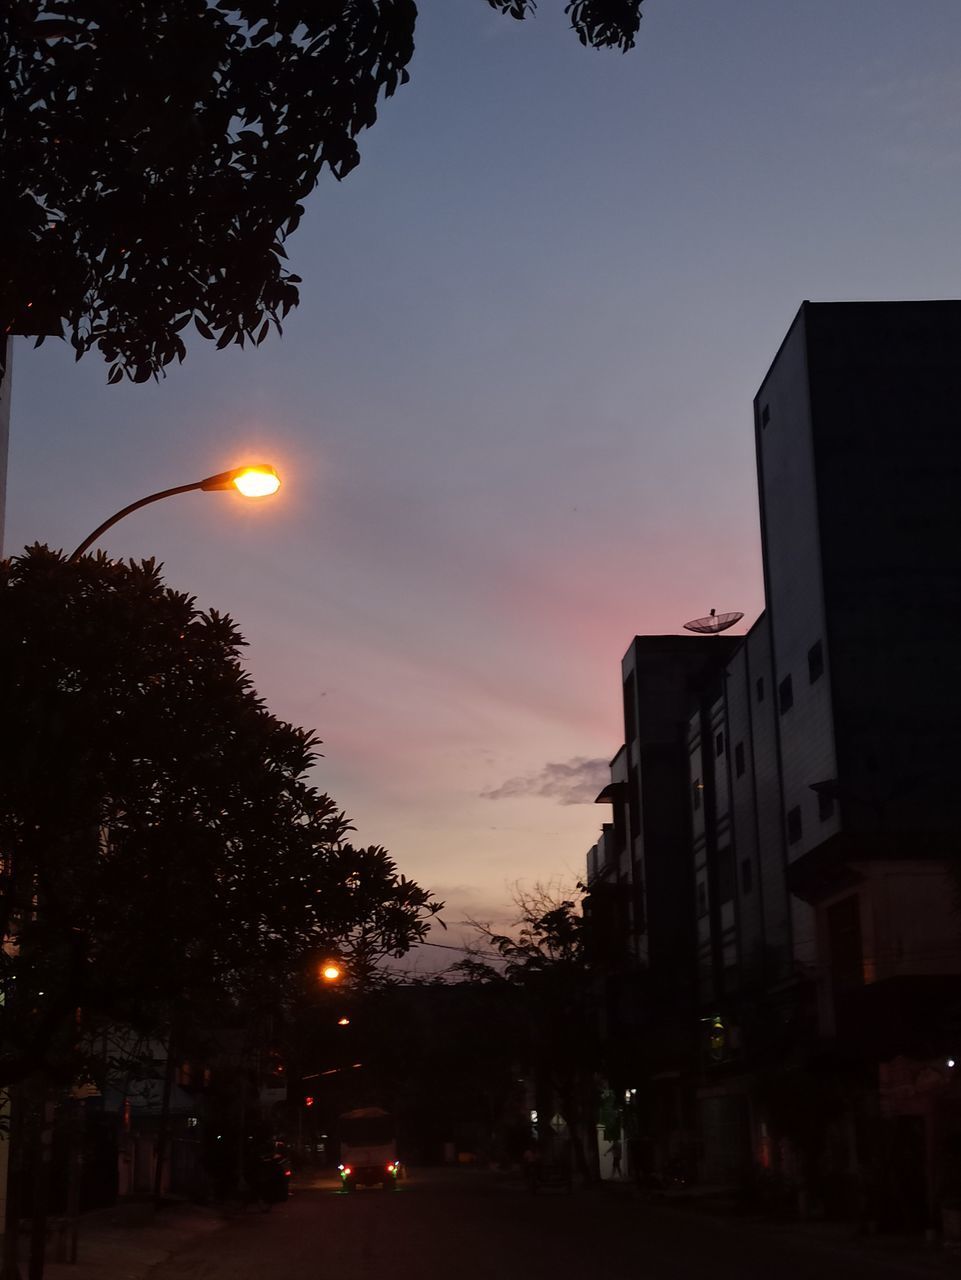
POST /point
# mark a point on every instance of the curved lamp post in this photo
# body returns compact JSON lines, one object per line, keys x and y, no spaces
{"x":253,"y":482}
{"x":258,"y":481}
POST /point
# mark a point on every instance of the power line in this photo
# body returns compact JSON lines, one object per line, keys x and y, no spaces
{"x":447,"y":946}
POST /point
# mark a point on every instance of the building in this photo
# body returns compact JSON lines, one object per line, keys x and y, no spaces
{"x":6,"y":383}
{"x":650,"y":1000}
{"x":794,"y":823}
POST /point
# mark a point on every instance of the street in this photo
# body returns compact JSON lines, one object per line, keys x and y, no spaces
{"x":466,"y":1224}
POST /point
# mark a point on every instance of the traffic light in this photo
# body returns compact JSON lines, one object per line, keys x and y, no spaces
{"x":309,"y":1100}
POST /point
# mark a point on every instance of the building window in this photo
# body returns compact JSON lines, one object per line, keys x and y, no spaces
{"x":725,"y":874}
{"x":630,"y":708}
{"x":825,"y":806}
{"x":845,"y":948}
{"x":794,"y":825}
{"x":739,"y":758}
{"x":747,"y":875}
{"x":765,"y":415}
{"x":634,"y":802}
{"x":815,"y":662}
{"x":719,"y":745}
{"x":696,"y":789}
{"x":760,"y":689}
{"x":640,"y":915}
{"x":785,"y":695}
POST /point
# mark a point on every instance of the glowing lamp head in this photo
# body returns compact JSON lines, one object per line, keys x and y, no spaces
{"x":343,"y":1022}
{"x":256,"y":482}
{"x":329,"y":971}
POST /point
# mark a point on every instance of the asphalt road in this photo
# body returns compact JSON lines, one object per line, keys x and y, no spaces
{"x":465,"y":1225}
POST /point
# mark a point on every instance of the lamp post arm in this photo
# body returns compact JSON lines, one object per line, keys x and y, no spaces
{"x":134,"y":506}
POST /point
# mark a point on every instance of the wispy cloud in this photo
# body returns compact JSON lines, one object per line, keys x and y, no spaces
{"x":574,"y":781}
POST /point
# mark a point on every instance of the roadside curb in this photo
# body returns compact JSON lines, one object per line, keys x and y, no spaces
{"x":130,"y":1240}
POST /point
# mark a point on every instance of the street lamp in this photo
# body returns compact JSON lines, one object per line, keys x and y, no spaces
{"x":330,"y":971}
{"x":258,"y":481}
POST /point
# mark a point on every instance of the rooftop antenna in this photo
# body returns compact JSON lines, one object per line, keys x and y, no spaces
{"x":714,"y":623}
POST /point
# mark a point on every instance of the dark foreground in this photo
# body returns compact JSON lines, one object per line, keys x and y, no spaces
{"x":465,"y":1225}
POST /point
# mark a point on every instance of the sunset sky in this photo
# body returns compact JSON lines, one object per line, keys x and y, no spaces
{"x":513,"y":411}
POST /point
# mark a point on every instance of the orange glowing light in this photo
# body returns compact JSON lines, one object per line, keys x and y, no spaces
{"x":256,"y":482}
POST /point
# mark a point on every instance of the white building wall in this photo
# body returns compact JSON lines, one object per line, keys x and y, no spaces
{"x":702,"y":887}
{"x":6,"y":387}
{"x":793,"y":587}
{"x":764,"y":760}
{"x":5,"y":390}
{"x":908,"y":923}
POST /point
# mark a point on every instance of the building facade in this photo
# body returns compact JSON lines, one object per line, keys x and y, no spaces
{"x":792,"y":821}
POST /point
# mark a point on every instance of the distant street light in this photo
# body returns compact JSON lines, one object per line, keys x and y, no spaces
{"x":258,"y":481}
{"x":331,"y":971}
{"x":343,"y":1022}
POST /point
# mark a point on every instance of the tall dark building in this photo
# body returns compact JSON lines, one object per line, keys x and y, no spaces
{"x":858,"y":430}
{"x":796,"y":838}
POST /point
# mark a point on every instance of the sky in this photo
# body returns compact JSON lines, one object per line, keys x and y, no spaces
{"x":513,"y":410}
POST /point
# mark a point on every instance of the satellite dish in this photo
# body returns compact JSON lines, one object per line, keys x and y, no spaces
{"x":714,"y":623}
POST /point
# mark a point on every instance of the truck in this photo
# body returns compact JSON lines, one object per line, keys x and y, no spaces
{"x":368,"y":1149}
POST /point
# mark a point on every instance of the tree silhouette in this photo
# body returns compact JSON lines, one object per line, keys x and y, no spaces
{"x":160,"y":841}
{"x":547,"y":961}
{"x":155,"y":156}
